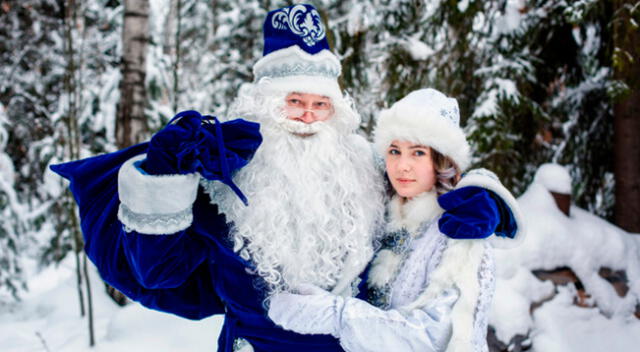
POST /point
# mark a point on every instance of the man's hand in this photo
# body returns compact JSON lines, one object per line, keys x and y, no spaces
{"x":195,"y":143}
{"x":311,"y":310}
{"x":172,"y":150}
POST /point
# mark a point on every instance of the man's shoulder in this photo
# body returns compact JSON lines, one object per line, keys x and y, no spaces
{"x":366,"y":149}
{"x":360,"y":142}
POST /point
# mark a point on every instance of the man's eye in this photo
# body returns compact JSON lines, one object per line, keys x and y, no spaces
{"x":293,"y":101}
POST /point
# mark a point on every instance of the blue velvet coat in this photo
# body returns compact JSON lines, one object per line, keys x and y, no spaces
{"x":193,"y":273}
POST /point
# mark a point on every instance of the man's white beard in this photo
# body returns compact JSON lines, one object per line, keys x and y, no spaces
{"x":312,"y":201}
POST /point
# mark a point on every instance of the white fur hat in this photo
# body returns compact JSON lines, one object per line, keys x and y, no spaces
{"x":427,"y":117}
{"x":294,"y":70}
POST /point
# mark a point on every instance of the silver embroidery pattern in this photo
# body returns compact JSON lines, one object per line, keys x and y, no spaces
{"x":401,"y":243}
{"x":452,"y":114}
{"x":398,"y":242}
{"x":487,"y":281}
{"x":134,"y":221}
{"x":301,"y":21}
{"x":298,"y":69}
{"x":412,"y":279}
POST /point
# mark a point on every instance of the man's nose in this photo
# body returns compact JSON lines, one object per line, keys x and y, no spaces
{"x":308,"y":117}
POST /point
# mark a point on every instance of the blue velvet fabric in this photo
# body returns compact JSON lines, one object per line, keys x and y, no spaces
{"x":470,"y":213}
{"x":299,"y":25}
{"x":193,"y":273}
{"x":195,"y":143}
{"x":507,"y":227}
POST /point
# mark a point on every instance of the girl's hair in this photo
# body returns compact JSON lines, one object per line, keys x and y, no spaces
{"x":447,"y":172}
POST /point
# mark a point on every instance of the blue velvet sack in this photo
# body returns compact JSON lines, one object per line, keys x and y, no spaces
{"x":191,"y":143}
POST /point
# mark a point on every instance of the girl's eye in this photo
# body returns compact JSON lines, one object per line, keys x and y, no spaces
{"x":394,"y":152}
{"x":419,"y":153}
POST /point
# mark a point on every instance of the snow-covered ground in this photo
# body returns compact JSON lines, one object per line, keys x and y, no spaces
{"x":48,"y":319}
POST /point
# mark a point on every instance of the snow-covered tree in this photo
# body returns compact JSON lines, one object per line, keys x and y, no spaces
{"x":31,"y":72}
{"x":47,"y":86}
{"x":543,"y":97}
{"x":11,"y":220}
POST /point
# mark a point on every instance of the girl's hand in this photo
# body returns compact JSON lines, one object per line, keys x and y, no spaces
{"x":470,"y":213}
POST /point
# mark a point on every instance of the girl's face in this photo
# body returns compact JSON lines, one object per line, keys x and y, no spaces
{"x":410,"y":168}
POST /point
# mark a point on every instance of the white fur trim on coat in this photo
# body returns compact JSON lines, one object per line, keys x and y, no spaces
{"x":488,"y":180}
{"x":459,"y":267}
{"x":155,"y":204}
{"x":413,"y":212}
{"x":383,"y":267}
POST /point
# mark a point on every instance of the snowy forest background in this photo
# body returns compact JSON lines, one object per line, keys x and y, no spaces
{"x":538,"y":81}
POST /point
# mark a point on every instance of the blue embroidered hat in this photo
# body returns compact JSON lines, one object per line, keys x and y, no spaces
{"x":299,"y":25}
{"x":296,"y":53}
{"x":427,"y":117}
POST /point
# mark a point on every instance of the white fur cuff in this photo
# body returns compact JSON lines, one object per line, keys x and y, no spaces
{"x":153,"y":204}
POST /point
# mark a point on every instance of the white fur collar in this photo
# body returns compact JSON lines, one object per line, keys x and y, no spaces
{"x":408,"y":215}
{"x":413,"y":212}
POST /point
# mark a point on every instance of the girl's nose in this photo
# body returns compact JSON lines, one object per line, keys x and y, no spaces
{"x":404,"y":164}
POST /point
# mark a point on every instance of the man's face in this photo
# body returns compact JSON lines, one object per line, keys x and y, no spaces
{"x":308,"y":108}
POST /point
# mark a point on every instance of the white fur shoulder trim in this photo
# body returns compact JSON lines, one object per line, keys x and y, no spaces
{"x":488,"y":180}
{"x":153,"y":204}
{"x":413,"y":212}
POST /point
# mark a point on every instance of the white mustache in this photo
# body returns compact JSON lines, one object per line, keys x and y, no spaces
{"x":298,"y":127}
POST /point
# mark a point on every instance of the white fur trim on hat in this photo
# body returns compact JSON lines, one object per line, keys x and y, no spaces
{"x":294,"y":70}
{"x":427,"y":117}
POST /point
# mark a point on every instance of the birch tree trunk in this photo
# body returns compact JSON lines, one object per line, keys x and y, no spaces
{"x":626,"y":64}
{"x":73,"y":19}
{"x":131,"y":125}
